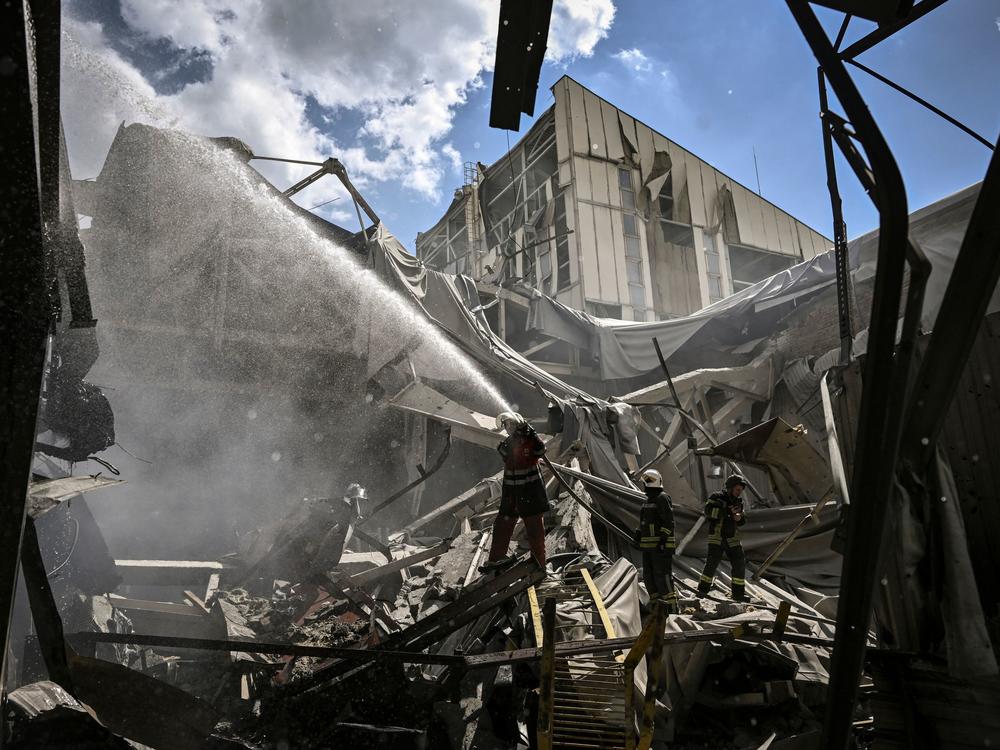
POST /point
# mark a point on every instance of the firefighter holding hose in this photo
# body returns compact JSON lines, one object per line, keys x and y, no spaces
{"x":523,"y":495}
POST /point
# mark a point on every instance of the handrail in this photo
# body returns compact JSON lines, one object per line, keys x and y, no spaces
{"x":546,"y":696}
{"x":649,"y":644}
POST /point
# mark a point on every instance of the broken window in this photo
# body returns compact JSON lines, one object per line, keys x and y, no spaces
{"x":633,"y":257}
{"x":749,"y":266}
{"x":627,"y":190}
{"x":713,"y":268}
{"x":665,"y":201}
{"x":604,"y":310}
{"x":562,"y":244}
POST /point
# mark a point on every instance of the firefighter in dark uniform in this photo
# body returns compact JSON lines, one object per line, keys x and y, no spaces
{"x":724,"y":511}
{"x":655,"y":537}
{"x":523,"y":495}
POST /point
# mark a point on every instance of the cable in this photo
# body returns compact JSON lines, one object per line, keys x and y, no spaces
{"x":72,"y":548}
{"x":320,"y":205}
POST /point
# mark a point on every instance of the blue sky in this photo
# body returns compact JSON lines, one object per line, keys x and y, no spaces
{"x":721,"y":78}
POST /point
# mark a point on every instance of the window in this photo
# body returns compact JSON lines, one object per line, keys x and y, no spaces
{"x":633,"y":248}
{"x":562,"y":243}
{"x":713,"y":269}
{"x":666,"y":198}
{"x":634,"y":268}
{"x":602,"y":310}
{"x":633,"y":260}
{"x":749,"y":266}
{"x":627,"y":191}
{"x":637,"y":298}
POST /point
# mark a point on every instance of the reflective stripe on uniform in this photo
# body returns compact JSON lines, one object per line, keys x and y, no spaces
{"x":521,"y":472}
{"x":517,"y":482}
{"x":739,"y":582}
{"x":707,"y":579}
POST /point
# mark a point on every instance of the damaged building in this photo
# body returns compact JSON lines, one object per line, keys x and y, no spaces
{"x":252,"y":483}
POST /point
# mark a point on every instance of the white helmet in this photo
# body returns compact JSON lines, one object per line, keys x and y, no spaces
{"x":508,"y":416}
{"x":652,"y":478}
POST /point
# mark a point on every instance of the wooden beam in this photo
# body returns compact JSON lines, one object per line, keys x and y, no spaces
{"x":166,"y":572}
{"x":375,"y":574}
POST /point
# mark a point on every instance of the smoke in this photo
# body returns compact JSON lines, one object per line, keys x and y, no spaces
{"x":235,"y":346}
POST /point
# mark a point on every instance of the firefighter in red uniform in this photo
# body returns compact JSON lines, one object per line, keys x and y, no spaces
{"x":523,"y":492}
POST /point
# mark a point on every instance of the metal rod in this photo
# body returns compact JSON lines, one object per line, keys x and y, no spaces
{"x":843,"y":30}
{"x":288,"y":161}
{"x":924,"y":103}
{"x":424,"y":476}
{"x":877,"y":438}
{"x":24,"y":312}
{"x":842,"y":261}
{"x":885,"y":31}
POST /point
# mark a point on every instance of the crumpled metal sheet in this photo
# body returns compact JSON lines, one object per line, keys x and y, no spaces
{"x":46,"y":494}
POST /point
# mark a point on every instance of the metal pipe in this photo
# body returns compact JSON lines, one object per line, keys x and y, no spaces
{"x":877,"y":439}
{"x":886,"y":30}
{"x":924,"y":103}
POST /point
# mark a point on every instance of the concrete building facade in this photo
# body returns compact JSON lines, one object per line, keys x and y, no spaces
{"x":606,"y":215}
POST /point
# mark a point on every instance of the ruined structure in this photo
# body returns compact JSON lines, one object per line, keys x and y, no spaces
{"x":258,"y":355}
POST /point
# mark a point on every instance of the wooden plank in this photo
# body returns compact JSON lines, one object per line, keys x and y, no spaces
{"x":143,"y":605}
{"x":375,"y":574}
{"x":595,"y":594}
{"x":536,"y":616}
{"x":196,"y":601}
{"x":165,"y":572}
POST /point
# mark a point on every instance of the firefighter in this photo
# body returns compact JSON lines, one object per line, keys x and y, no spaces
{"x":724,"y":511}
{"x":655,"y":537}
{"x":523,"y":493}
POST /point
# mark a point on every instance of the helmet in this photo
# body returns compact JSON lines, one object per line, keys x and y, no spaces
{"x":652,"y":478}
{"x":508,"y":416}
{"x":735,"y":479}
{"x":356,"y":492}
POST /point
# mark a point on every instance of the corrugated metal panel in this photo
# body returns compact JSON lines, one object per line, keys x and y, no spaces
{"x":587,"y":240}
{"x":581,"y":165}
{"x":605,"y":241}
{"x":599,"y":181}
{"x":646,"y":149}
{"x":612,"y":132}
{"x":971,"y":438}
{"x":595,"y":125}
{"x":562,"y":120}
{"x":578,"y":115}
{"x":770,"y":226}
{"x":757,"y":236}
{"x":740,"y":201}
{"x":628,"y":127}
{"x":695,"y":191}
{"x":785,"y":234}
{"x":678,"y":175}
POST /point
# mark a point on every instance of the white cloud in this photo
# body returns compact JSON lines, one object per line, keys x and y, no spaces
{"x":404,"y":69}
{"x":643,"y":65}
{"x":635,"y":59}
{"x":577,"y":26}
